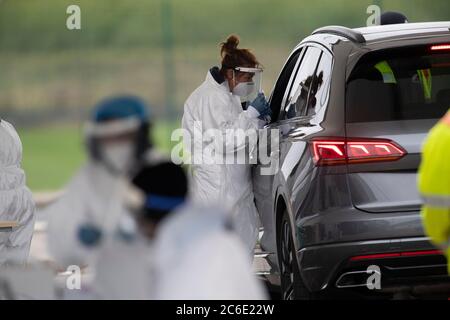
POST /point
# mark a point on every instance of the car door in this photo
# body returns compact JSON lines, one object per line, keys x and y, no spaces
{"x":303,"y":105}
{"x":293,"y":124}
{"x":262,"y":183}
{"x":296,"y":176}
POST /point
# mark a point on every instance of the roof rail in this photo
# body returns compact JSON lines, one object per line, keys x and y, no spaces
{"x":345,"y":32}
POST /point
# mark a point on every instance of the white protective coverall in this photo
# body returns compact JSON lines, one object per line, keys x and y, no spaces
{"x":196,"y":257}
{"x":213,"y":106}
{"x":93,"y":196}
{"x":16,"y":202}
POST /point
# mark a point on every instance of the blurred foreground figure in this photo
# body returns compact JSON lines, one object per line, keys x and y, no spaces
{"x":16,"y":204}
{"x":180,"y":252}
{"x":198,"y":256}
{"x":27,"y":282}
{"x":117,"y":139}
{"x":124,"y":268}
{"x":434,"y":185}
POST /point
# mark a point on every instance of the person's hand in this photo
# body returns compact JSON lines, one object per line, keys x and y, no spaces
{"x":260,"y":104}
{"x":89,"y":235}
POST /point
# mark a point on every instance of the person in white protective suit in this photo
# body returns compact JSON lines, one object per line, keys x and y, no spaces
{"x":91,"y":209}
{"x":16,"y":202}
{"x":216,"y":106}
{"x":124,"y":266}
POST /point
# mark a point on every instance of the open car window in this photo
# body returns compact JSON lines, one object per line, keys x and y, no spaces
{"x":279,"y":90}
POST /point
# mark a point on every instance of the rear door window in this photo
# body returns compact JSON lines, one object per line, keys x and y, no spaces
{"x":400,"y":84}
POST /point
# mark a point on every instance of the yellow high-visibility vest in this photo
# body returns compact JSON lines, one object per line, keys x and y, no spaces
{"x":434,"y":185}
{"x":386,"y":71}
{"x":389,"y":77}
{"x":425,"y":79}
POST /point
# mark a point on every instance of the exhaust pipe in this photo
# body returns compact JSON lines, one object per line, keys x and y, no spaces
{"x":352,"y":279}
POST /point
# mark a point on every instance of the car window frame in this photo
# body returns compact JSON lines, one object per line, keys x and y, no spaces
{"x":293,"y":80}
{"x":326,"y":82}
{"x":299,"y":50}
{"x":324,"y":50}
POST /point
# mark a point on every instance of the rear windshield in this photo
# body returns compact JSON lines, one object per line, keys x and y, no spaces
{"x":399,"y":84}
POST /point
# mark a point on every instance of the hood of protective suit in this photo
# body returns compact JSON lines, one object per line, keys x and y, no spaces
{"x":10,"y":146}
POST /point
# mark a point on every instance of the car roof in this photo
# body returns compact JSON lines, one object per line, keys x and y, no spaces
{"x":385,"y":33}
{"x":404,"y":30}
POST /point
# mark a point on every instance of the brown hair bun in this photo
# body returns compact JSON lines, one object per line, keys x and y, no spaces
{"x":233,"y":57}
{"x":229,"y":46}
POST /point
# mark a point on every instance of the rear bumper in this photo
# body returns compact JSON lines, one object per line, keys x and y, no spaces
{"x":330,"y":266}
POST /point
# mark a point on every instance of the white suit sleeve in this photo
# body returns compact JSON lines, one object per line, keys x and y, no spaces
{"x":235,"y":130}
{"x":16,"y":203}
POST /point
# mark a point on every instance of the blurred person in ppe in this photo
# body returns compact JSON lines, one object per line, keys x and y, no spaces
{"x":199,"y":256}
{"x":194,"y":253}
{"x":117,"y":141}
{"x":434,"y":185}
{"x":17,"y":208}
{"x":181,"y":250}
{"x":220,"y":103}
{"x":123,"y":268}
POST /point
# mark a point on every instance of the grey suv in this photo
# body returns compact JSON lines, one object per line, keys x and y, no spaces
{"x":353,"y":107}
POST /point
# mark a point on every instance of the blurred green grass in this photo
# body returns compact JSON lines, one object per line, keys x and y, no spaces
{"x":52,"y":154}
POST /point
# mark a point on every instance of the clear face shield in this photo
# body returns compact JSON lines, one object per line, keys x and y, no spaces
{"x":250,"y":89}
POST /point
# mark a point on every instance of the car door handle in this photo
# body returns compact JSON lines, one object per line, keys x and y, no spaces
{"x":296,"y":134}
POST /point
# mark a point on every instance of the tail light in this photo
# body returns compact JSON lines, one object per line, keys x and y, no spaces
{"x":348,"y":151}
{"x":440,"y":47}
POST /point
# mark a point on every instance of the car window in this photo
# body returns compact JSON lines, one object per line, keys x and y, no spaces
{"x":297,"y":98}
{"x":399,"y":84}
{"x":282,"y":82}
{"x":320,"y":87}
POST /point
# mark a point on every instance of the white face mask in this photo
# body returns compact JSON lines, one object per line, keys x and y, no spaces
{"x":243,"y":89}
{"x":119,"y":155}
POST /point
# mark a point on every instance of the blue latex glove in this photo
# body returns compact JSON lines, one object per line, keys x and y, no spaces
{"x":266,"y":115}
{"x":89,"y":235}
{"x":260,"y":104}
